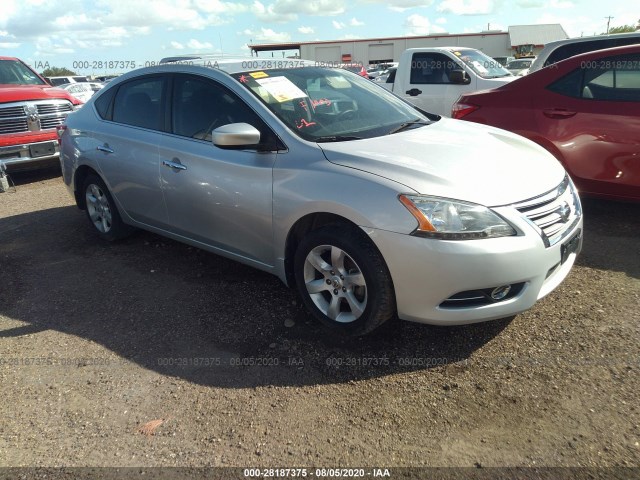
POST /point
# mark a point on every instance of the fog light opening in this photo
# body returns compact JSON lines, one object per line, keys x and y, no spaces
{"x":501,"y":292}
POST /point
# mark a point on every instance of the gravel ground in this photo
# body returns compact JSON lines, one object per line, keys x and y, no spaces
{"x":98,"y":339}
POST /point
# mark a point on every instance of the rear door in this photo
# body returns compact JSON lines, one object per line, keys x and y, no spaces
{"x":592,"y":115}
{"x":127,"y":147}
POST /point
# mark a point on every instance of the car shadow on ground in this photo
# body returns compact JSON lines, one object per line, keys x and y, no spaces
{"x":187,"y":313}
{"x":612,"y":236}
{"x":184,"y":312}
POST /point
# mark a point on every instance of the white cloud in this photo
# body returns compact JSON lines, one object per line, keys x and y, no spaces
{"x":197,"y":45}
{"x":418,"y":25}
{"x":575,"y":26}
{"x":267,"y":35}
{"x":530,"y":3}
{"x":401,"y":5}
{"x":306,"y":30}
{"x":177,"y":45}
{"x":9,"y":45}
{"x":561,"y":4}
{"x":441,"y":21}
{"x":467,"y":7}
{"x":338,"y":25}
{"x":354,"y":22}
{"x":288,"y":10}
{"x":269,"y":15}
{"x":350,"y":36}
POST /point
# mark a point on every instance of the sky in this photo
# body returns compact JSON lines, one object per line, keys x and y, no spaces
{"x":113,"y":36}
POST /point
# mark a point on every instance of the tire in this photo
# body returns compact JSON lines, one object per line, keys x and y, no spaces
{"x":343,"y":280}
{"x":102,"y":211}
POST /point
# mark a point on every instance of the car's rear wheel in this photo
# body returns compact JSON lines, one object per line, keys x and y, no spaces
{"x":343,"y":280}
{"x":102,"y":211}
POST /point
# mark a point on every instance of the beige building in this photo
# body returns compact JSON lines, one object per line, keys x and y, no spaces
{"x":377,"y":50}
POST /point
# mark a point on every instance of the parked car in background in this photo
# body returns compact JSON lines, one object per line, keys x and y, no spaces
{"x":96,"y":86}
{"x":504,"y":60}
{"x":433,"y":78}
{"x":387,"y":76}
{"x":520,"y":67}
{"x":355,"y":68}
{"x":57,"y":81}
{"x":585,"y":111}
{"x":379,"y":69}
{"x":82,"y":90}
{"x":320,"y":177}
{"x":30,"y":110}
{"x":554,"y":52}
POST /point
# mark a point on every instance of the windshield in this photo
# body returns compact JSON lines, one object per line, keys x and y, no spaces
{"x":483,"y":65}
{"x":519,"y":64}
{"x":14,"y":72}
{"x":326,"y":104}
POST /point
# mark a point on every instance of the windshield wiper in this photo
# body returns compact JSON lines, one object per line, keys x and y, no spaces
{"x":405,"y":125}
{"x":337,"y":138}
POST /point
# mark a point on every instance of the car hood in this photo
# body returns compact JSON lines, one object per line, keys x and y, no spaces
{"x":455,"y":159}
{"x":18,"y":93}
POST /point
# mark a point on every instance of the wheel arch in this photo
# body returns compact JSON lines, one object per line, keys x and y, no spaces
{"x":81,"y":173}
{"x":307,"y":224}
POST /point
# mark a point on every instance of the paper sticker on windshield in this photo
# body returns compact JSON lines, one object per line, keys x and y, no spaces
{"x":479,"y":67}
{"x":281,"y":88}
{"x":258,"y":74}
{"x":457,"y":54}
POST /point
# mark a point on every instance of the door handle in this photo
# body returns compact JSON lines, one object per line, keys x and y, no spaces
{"x":414,"y":92}
{"x":558,"y":113}
{"x":174,"y":164}
{"x":105,"y":148}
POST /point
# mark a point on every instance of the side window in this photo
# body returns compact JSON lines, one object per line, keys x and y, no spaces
{"x":570,"y":85}
{"x":139,"y":103}
{"x":608,"y":79}
{"x":104,"y":103}
{"x":613,"y":79}
{"x":201,"y":105}
{"x":431,"y":68}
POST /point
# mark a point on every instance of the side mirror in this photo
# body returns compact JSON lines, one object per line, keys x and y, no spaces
{"x":459,"y":77}
{"x":235,"y":135}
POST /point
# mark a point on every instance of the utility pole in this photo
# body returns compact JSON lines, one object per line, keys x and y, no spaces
{"x":608,"y":21}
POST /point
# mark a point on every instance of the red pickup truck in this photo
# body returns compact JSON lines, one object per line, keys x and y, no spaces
{"x":30,"y":111}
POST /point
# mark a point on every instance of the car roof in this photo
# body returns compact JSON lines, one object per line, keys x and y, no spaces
{"x":551,"y":47}
{"x":443,"y":49}
{"x":237,"y":64}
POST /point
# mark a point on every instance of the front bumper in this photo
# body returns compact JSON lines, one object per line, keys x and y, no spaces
{"x":427,"y":272}
{"x":27,"y":156}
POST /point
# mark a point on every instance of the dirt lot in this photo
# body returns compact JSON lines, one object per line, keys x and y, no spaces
{"x":98,"y":339}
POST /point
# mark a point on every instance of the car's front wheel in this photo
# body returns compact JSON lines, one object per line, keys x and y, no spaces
{"x":343,"y":280}
{"x":102,"y":211}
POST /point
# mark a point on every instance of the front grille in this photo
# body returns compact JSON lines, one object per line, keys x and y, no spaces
{"x":14,"y":125}
{"x":51,"y":122}
{"x":10,"y":112}
{"x":553,"y":214}
{"x":33,"y":116}
{"x":45,"y":109}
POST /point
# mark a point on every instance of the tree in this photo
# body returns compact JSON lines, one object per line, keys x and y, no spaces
{"x":57,"y":72}
{"x":623,"y":29}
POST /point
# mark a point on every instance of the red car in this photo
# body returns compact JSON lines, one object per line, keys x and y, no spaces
{"x":585,"y":110}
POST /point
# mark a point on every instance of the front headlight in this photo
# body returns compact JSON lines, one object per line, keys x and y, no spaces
{"x":454,"y":220}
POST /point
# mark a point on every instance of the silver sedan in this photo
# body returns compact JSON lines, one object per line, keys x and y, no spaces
{"x":370,"y":207}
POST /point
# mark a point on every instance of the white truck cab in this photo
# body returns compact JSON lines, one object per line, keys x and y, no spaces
{"x":433,"y":78}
